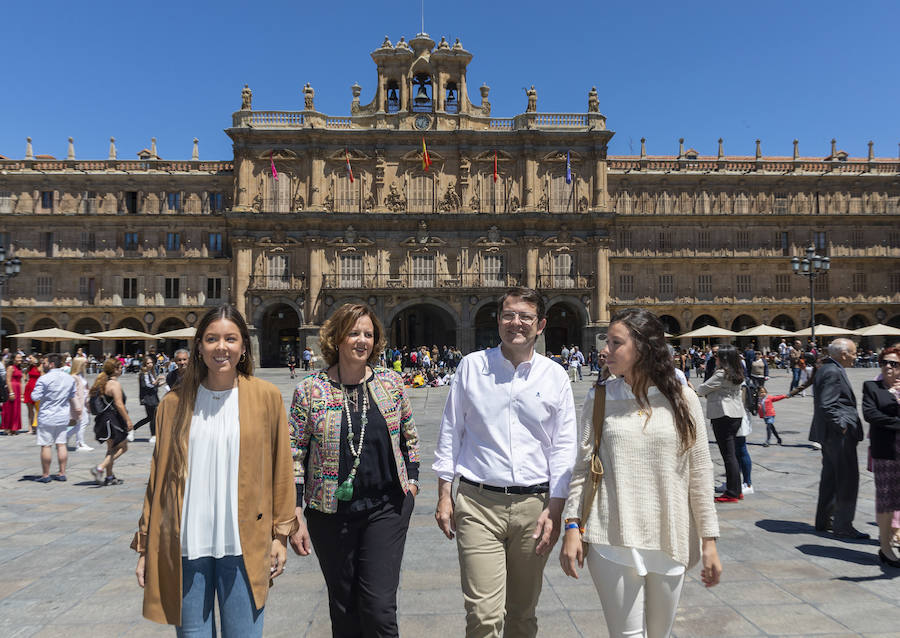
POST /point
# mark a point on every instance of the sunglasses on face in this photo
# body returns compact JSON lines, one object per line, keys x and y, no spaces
{"x":891,"y":364}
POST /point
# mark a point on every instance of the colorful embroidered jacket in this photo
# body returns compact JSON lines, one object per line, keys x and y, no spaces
{"x":315,"y":424}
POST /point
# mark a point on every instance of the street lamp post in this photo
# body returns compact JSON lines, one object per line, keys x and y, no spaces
{"x":9,"y":268}
{"x":811,"y":267}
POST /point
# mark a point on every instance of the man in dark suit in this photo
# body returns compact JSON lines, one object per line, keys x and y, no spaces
{"x":837,"y":426}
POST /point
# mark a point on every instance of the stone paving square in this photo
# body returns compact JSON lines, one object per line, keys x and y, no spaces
{"x":66,"y":568}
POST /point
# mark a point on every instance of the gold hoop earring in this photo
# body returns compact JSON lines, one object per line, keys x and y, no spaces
{"x":243,"y":357}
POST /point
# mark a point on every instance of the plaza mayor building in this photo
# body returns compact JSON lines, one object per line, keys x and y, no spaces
{"x":426,"y":205}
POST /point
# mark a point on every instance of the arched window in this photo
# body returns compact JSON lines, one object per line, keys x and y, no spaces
{"x":421,"y":193}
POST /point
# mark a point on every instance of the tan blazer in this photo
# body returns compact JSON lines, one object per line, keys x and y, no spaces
{"x":266,"y":497}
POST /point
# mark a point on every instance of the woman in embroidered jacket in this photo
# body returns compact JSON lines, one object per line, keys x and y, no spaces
{"x":219,"y":504}
{"x":655,"y":500}
{"x":356,"y":462}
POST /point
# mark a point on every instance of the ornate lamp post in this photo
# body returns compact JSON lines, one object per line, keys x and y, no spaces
{"x":9,"y":268}
{"x":811,"y":267}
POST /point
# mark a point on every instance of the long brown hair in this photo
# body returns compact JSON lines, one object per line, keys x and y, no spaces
{"x":654,"y":366}
{"x":196,"y":371}
{"x":110,"y":366}
{"x":338,"y":326}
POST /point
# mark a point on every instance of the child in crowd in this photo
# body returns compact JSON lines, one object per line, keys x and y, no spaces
{"x":767,"y":413}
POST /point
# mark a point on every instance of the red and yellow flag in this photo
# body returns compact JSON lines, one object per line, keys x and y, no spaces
{"x":426,"y":160}
{"x":349,"y":168}
{"x":495,"y":166}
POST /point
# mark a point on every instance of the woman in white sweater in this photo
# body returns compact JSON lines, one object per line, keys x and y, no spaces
{"x":655,"y":500}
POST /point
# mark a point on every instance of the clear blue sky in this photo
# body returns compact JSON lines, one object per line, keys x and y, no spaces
{"x":776,"y":70}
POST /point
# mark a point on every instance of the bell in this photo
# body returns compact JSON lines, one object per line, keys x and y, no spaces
{"x":392,"y":95}
{"x":422,"y":96}
{"x":451,"y":95}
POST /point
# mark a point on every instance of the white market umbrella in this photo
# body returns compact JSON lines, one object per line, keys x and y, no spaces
{"x":180,"y":333}
{"x":877,"y":330}
{"x":53,"y":334}
{"x":708,"y":332}
{"x":763,"y":330}
{"x":825,"y":330}
{"x":123,"y":334}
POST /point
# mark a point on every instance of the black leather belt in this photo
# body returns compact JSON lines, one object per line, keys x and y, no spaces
{"x":540,"y":488}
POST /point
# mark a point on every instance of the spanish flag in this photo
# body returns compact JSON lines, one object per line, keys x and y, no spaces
{"x":426,"y":161}
{"x":349,"y":168}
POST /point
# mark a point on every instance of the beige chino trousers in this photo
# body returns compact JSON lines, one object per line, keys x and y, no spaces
{"x":500,"y":572}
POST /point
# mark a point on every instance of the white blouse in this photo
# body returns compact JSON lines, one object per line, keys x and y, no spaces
{"x":209,"y":515}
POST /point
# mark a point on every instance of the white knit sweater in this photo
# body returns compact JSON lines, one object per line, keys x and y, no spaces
{"x":650,"y":497}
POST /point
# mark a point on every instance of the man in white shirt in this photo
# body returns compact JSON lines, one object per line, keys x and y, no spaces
{"x":509,"y":433}
{"x":55,"y":390}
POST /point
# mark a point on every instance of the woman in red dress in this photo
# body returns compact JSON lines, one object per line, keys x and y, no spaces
{"x":33,"y":373}
{"x":12,"y":409}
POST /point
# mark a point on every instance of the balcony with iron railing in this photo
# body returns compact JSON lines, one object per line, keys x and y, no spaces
{"x":464,"y":281}
{"x":565,"y":282}
{"x":277,"y":282}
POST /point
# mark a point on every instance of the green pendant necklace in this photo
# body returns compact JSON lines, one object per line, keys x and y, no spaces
{"x":344,"y":491}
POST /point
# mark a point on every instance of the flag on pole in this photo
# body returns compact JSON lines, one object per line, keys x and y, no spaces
{"x":426,"y":161}
{"x":272,"y":162}
{"x":568,"y":168}
{"x":495,"y":166}
{"x":349,"y":168}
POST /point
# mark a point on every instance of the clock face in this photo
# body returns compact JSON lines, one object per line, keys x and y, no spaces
{"x":423,"y":122}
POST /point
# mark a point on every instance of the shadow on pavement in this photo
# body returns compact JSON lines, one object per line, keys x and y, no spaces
{"x":786,"y":527}
{"x":845,"y":554}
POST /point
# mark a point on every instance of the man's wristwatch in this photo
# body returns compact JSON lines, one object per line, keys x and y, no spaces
{"x":413,"y":481}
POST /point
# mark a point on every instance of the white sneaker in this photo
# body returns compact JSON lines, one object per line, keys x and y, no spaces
{"x":83,"y":447}
{"x":152,"y":440}
{"x":98,"y":475}
{"x":130,"y":436}
{"x":746,"y":489}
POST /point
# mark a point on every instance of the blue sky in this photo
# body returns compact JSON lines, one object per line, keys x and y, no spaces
{"x":774,"y":70}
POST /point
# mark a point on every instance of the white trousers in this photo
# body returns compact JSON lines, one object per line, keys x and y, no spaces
{"x":635,"y":605}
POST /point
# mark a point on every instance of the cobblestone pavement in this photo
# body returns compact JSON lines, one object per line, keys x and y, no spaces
{"x":66,"y":568}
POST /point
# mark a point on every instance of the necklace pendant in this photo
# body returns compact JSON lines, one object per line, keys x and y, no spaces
{"x":344,"y":492}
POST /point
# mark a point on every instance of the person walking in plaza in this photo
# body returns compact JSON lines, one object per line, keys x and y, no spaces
{"x":837,"y":426}
{"x":81,"y":413}
{"x":766,"y":411}
{"x":111,"y":420}
{"x":180,"y":359}
{"x":725,"y":409}
{"x":11,"y":417}
{"x":292,"y":365}
{"x":881,"y":410}
{"x":356,"y":464}
{"x":576,"y":361}
{"x":55,"y":390}
{"x":307,"y":357}
{"x":219,"y":504}
{"x":509,"y":433}
{"x":794,"y":355}
{"x":640,"y":531}
{"x":148,"y":389}
{"x":31,"y":375}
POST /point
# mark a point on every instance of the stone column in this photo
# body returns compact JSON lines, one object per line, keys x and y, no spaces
{"x":317,"y":178}
{"x":316,"y":278}
{"x":243,"y":269}
{"x":528,"y":170}
{"x":601,"y":194}
{"x":531,"y":262}
{"x":601,"y":305}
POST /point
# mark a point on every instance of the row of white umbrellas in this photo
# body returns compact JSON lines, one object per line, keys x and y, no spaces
{"x":119,"y":334}
{"x":822,"y":330}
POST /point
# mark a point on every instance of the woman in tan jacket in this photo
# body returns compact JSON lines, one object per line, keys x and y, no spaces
{"x":219,"y":504}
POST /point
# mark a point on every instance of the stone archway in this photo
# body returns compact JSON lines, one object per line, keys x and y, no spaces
{"x":671,"y":325}
{"x":169,"y":346}
{"x":88,"y":326}
{"x":704,"y":320}
{"x":742,"y":322}
{"x":131,"y":346}
{"x":7,"y":327}
{"x":785,"y":323}
{"x":422,"y":324}
{"x":45,"y":323}
{"x":822,"y":318}
{"x":857,"y":321}
{"x":565,"y":326}
{"x":487,"y":332}
{"x":278,"y":329}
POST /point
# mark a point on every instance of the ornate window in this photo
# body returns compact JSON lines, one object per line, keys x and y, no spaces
{"x":624,"y":204}
{"x":421,"y":193}
{"x":423,"y":271}
{"x":279,"y":199}
{"x":493,"y":269}
{"x":494,"y":196}
{"x":563,"y":270}
{"x":347,"y":194}
{"x":277,"y":271}
{"x":781,"y":204}
{"x":173,"y":202}
{"x":562,"y":195}
{"x":351,"y":271}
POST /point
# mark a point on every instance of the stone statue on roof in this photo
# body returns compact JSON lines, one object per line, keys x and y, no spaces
{"x":593,"y":101}
{"x":246,"y":98}
{"x":308,"y":94}
{"x":532,"y":100}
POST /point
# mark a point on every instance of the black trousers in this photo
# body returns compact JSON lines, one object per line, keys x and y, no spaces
{"x":839,"y":483}
{"x":150,"y":418}
{"x":360,"y":556}
{"x":726,"y":428}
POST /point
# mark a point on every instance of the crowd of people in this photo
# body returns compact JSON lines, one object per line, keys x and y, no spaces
{"x":235,"y":479}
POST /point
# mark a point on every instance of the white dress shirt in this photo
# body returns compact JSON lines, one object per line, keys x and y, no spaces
{"x":54,"y":389}
{"x":506,"y":426}
{"x":209,"y":515}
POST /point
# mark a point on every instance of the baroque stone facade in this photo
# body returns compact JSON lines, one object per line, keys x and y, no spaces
{"x":533,"y":199}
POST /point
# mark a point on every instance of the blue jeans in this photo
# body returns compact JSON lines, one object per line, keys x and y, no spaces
{"x":795,"y":378}
{"x":204,"y":578}
{"x":743,"y":457}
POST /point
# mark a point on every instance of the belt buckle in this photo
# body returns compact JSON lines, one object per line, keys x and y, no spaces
{"x":506,"y":490}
